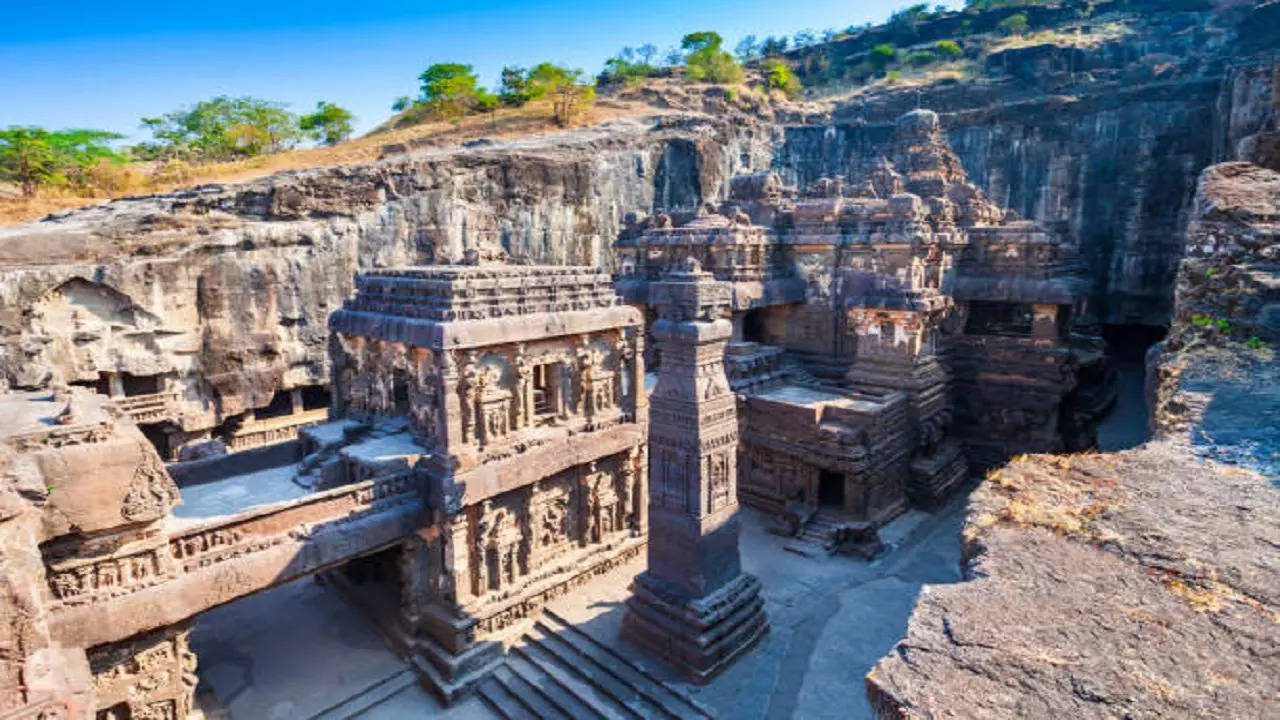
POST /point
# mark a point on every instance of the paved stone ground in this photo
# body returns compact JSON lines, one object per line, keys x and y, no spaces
{"x":831,"y":618}
{"x":1126,"y":426}
{"x":229,"y":496}
{"x":298,"y":650}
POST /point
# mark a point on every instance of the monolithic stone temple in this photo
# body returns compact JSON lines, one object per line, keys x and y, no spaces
{"x":516,"y":395}
{"x":887,"y":334}
{"x":829,"y":355}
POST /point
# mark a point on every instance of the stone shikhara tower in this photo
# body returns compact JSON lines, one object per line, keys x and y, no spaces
{"x":693,"y":607}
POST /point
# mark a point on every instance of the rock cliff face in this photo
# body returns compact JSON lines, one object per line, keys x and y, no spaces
{"x":1142,"y":583}
{"x":221,"y":294}
{"x":1099,"y":130}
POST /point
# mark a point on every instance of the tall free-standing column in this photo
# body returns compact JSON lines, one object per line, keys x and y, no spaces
{"x":694,"y":607}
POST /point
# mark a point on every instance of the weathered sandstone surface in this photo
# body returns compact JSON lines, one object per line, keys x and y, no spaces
{"x":1144,"y":583}
{"x":220,"y":294}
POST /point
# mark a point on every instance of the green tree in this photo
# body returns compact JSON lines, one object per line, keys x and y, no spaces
{"x":26,"y":158}
{"x":773,"y":46}
{"x":949,"y":49}
{"x":449,"y":88}
{"x":1015,"y":24}
{"x":220,"y":129}
{"x":546,"y":78}
{"x":33,"y":157}
{"x":882,"y":55}
{"x":778,"y":75}
{"x":402,"y":103}
{"x":329,"y":124}
{"x":747,"y":49}
{"x":647,"y":53}
{"x":706,"y":61}
{"x":623,"y":68}
{"x":570,"y":94}
{"x":514,"y":90}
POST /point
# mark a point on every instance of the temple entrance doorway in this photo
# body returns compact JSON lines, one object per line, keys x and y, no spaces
{"x":830,"y":489}
{"x":753,"y":326}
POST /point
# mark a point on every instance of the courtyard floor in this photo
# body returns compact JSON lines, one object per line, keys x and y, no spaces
{"x":300,"y":652}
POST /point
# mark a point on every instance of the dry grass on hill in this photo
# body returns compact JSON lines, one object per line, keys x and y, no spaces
{"x":532,"y":119}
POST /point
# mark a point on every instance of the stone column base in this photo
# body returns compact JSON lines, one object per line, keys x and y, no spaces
{"x":934,"y":477}
{"x":699,"y":636}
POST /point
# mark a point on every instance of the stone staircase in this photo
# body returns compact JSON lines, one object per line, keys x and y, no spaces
{"x":368,"y":698}
{"x":557,"y":672}
{"x":818,"y":536}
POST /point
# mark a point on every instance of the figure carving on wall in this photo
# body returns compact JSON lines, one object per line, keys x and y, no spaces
{"x":469,"y":387}
{"x":151,"y":492}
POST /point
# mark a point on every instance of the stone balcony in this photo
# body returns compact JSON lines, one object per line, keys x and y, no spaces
{"x":149,"y":408}
{"x":268,"y":431}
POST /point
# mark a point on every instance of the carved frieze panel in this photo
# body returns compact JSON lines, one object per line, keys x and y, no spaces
{"x":151,"y":676}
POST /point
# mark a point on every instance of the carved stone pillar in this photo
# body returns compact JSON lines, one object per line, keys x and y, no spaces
{"x":694,"y":607}
{"x":451,"y":397}
{"x":419,"y":579}
{"x":639,"y":398}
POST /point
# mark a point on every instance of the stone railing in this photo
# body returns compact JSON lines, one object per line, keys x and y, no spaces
{"x":193,"y":567}
{"x":149,"y":408}
{"x":275,"y":430}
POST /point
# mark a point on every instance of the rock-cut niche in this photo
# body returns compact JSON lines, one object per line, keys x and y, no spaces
{"x":677,"y":185}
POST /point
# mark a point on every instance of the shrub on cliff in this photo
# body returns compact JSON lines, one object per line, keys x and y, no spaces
{"x":881,"y":55}
{"x":705,"y":60}
{"x":778,"y":76}
{"x":920,"y":58}
{"x":630,"y":65}
{"x":949,"y":49}
{"x":619,"y":70}
{"x":1015,"y":24}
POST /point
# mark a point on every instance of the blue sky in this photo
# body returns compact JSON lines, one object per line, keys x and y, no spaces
{"x":106,"y":64}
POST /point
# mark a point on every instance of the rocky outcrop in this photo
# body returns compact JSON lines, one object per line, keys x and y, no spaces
{"x":1137,"y":584}
{"x":1142,"y":583}
{"x":220,"y":294}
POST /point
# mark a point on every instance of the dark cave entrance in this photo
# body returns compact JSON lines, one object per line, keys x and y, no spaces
{"x":1125,"y":426}
{"x":315,"y":397}
{"x":830,"y":489}
{"x":160,"y":436}
{"x":753,"y":326}
{"x":372,"y":584}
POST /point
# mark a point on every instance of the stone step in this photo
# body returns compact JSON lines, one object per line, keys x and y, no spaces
{"x":571,"y":681}
{"x":496,"y":695}
{"x":364,"y":700}
{"x":593,"y":672}
{"x":806,"y":549}
{"x":565,"y":698}
{"x":522,"y":686}
{"x":675,"y":703}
